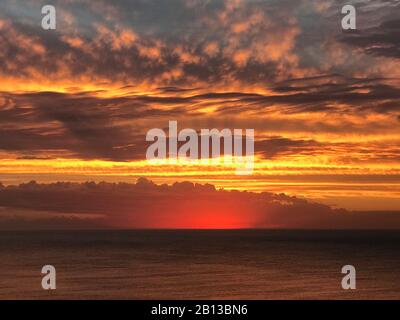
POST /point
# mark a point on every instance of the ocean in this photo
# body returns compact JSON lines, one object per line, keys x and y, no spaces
{"x":200,"y":264}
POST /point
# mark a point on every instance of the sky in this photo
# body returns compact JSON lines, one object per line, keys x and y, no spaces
{"x":76,"y":103}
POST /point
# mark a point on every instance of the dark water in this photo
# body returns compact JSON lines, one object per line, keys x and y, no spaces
{"x":246,"y":264}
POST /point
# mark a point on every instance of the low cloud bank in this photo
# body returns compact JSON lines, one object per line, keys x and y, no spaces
{"x":143,"y":204}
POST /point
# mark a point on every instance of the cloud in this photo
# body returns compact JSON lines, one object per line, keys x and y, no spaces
{"x":164,"y":43}
{"x":278,"y":146}
{"x":79,"y":125}
{"x":318,"y":98}
{"x":177,"y":43}
{"x":382,"y":40}
{"x":92,"y":125}
{"x":181,"y":205}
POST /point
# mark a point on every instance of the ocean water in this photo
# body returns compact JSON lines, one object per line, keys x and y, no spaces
{"x":195,"y":264}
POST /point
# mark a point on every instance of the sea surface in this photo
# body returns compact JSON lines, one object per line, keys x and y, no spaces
{"x":198,"y":264}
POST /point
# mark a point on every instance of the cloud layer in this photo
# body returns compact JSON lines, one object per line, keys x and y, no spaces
{"x":181,"y":205}
{"x":324,"y":103}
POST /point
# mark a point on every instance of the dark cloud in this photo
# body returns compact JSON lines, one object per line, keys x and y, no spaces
{"x":185,"y":204}
{"x":80,"y":124}
{"x":382,"y":40}
{"x":278,"y":146}
{"x":327,"y":93}
{"x":85,"y":125}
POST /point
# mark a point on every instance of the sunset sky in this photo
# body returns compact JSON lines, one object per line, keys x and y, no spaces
{"x":76,"y":103}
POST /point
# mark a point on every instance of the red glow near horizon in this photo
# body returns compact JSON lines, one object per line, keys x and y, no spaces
{"x":201,"y":217}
